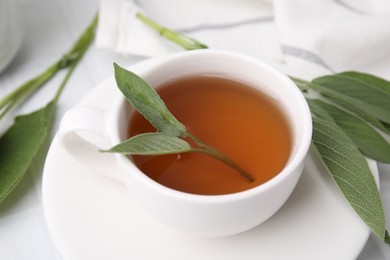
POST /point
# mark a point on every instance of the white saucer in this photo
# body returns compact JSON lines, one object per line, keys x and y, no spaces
{"x":92,"y":217}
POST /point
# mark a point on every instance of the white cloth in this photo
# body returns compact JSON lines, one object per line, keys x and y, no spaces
{"x":316,"y":36}
{"x":222,"y":28}
{"x":337,"y":34}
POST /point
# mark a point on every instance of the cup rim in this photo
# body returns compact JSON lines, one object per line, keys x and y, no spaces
{"x":295,"y":161}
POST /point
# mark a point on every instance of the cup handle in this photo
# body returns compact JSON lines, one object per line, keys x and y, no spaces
{"x":82,"y":131}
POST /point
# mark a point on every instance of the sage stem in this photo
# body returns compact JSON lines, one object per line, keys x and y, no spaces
{"x":31,"y":85}
{"x":208,"y":150}
{"x":178,"y":38}
{"x":77,"y":52}
{"x":17,"y":97}
{"x":69,"y":59}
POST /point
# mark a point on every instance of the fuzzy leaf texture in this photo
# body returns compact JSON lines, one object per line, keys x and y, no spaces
{"x":350,"y":171}
{"x":151,"y":144}
{"x":360,"y":90}
{"x":385,"y":128}
{"x":21,"y":143}
{"x":367,"y":139}
{"x":317,"y":110}
{"x":146,"y":101}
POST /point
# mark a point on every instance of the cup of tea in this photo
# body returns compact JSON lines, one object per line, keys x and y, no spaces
{"x":239,"y":105}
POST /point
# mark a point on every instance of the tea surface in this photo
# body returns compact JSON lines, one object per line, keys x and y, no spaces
{"x":241,"y":122}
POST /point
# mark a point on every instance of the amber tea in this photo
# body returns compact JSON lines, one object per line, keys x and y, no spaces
{"x":241,"y":122}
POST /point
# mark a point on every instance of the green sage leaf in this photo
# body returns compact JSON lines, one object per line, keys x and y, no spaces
{"x":145,"y":100}
{"x":350,"y":171}
{"x":303,"y":85}
{"x":151,"y":144}
{"x":317,"y":110}
{"x":360,"y":113}
{"x":372,"y":99}
{"x":19,"y":145}
{"x":369,"y":141}
{"x":22,"y":142}
{"x":373,"y":81}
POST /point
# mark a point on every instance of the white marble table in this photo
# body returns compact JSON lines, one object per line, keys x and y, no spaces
{"x":50,"y":28}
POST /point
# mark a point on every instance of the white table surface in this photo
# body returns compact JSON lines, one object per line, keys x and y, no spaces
{"x":51,"y":26}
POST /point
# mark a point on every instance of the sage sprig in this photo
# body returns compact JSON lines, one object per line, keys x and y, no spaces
{"x":347,"y":126}
{"x":146,"y":101}
{"x":24,"y":139}
{"x":169,"y":139}
{"x":350,"y":171}
{"x":152,"y":144}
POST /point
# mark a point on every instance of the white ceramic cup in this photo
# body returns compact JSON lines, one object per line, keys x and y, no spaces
{"x":202,"y":215}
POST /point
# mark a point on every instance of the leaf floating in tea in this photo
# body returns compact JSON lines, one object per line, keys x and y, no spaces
{"x":152,"y":144}
{"x":147,"y":102}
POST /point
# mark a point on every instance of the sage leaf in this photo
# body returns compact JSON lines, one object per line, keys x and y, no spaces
{"x":373,"y":81}
{"x":317,"y":110}
{"x":151,"y":144}
{"x":303,"y":85}
{"x":350,"y":171}
{"x":146,"y":101}
{"x":22,"y":142}
{"x":369,"y":141}
{"x":19,"y":145}
{"x":360,"y":113}
{"x":357,"y":92}
{"x":387,"y":127}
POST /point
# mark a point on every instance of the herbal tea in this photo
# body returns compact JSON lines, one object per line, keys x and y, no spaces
{"x":241,"y":122}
